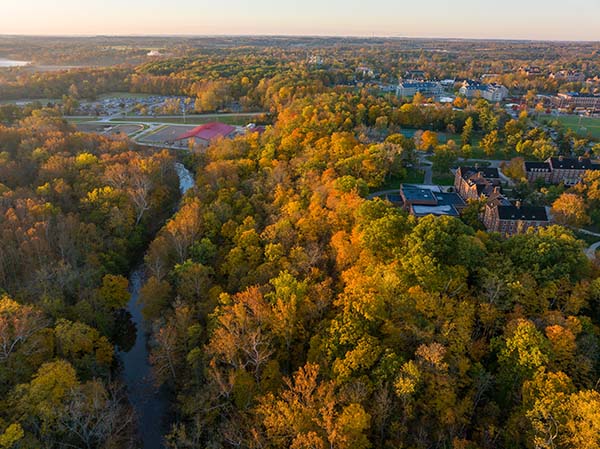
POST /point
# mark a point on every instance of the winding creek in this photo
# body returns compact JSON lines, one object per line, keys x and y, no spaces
{"x":149,"y":402}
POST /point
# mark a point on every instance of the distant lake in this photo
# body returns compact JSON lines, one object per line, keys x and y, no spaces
{"x":12,"y":63}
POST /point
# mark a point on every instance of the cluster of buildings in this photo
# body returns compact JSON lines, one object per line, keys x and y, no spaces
{"x":499,"y":214}
{"x":475,"y":184}
{"x":575,"y":100}
{"x":492,"y":92}
{"x":569,"y":76}
{"x":508,"y":217}
{"x":531,"y":71}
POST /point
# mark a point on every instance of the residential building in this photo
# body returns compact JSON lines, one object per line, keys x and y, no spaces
{"x":407,"y":89}
{"x":574,"y":100}
{"x":538,"y":170}
{"x":569,"y":76}
{"x":421,"y":201}
{"x":556,"y":170}
{"x":365,"y":71}
{"x":514,"y":218}
{"x":531,"y":71}
{"x":473,"y":183}
{"x":316,"y":60}
{"x":491,"y":92}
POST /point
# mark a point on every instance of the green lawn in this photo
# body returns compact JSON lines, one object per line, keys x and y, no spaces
{"x":82,"y":119}
{"x":581,"y":125}
{"x":413,"y":176}
{"x":443,"y":179}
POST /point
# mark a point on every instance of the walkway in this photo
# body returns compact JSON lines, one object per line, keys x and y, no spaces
{"x":591,"y":251}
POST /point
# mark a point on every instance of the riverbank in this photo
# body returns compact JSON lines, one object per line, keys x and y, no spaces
{"x":151,"y":404}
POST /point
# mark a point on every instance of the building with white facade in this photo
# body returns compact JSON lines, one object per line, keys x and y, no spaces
{"x":491,"y":92}
{"x":407,"y":89}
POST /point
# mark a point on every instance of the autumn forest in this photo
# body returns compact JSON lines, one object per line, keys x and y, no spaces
{"x":284,"y":305}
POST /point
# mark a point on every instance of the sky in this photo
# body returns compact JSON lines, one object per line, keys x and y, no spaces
{"x":508,"y":19}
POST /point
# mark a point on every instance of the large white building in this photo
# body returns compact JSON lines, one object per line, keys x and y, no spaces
{"x":407,"y":89}
{"x":491,"y":92}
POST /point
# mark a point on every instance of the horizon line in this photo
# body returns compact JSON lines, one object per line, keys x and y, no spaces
{"x":314,"y":36}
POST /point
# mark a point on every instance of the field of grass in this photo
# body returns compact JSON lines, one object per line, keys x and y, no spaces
{"x":82,"y":119}
{"x":413,"y":176}
{"x":443,"y":179}
{"x":587,"y":125}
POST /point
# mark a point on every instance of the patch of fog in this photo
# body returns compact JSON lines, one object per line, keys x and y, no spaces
{"x":12,"y":63}
{"x":186,"y":179}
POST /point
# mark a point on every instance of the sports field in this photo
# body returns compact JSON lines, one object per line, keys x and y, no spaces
{"x":581,"y":125}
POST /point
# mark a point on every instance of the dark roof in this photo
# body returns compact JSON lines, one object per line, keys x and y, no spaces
{"x":439,"y":210}
{"x":487,"y":172}
{"x":415,"y":194}
{"x":525,"y":213}
{"x":530,"y":166}
{"x":449,"y":199}
{"x":571,"y":163}
{"x":497,"y":199}
{"x":419,"y":84}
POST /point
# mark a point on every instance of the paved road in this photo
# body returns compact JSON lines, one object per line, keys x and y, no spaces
{"x":428,"y":173}
{"x":585,"y":231}
{"x":141,"y":118}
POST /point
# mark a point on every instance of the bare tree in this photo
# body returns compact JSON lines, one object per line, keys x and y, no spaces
{"x":94,"y":414}
{"x":17,"y":324}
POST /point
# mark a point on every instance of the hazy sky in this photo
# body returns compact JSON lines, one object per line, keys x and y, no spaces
{"x":528,"y":19}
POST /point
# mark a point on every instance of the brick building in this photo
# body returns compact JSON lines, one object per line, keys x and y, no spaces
{"x":575,"y":100}
{"x":473,"y":183}
{"x":514,"y":218}
{"x":556,"y":170}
